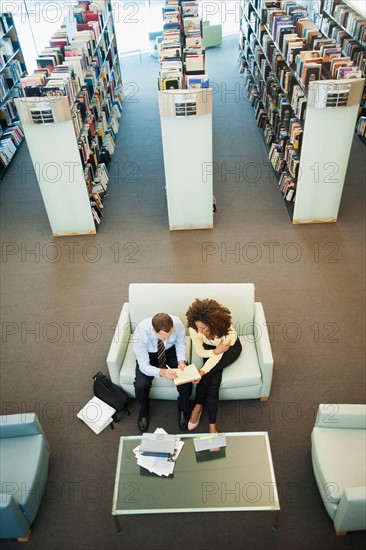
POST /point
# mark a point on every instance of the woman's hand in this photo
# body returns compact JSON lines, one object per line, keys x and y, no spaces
{"x":221,"y":347}
{"x":202,"y":373}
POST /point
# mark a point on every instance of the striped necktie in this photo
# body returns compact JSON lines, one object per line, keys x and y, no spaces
{"x":161,"y":355}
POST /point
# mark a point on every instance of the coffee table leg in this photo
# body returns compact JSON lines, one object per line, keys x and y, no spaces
{"x":117,"y":524}
{"x":276,"y":520}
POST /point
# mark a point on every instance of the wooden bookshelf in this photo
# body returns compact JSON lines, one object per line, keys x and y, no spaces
{"x":298,"y":117}
{"x":12,"y":69}
{"x":70,"y":118}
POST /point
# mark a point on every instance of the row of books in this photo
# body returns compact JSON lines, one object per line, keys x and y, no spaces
{"x":98,"y":190}
{"x":90,"y":149}
{"x":287,"y":186}
{"x":180,"y":52}
{"x":280,"y":115}
{"x":8,"y":110}
{"x":6,"y":22}
{"x":283,"y":134}
{"x":12,"y":68}
{"x":294,"y":36}
{"x":171,"y":74}
{"x":348,"y":45}
{"x":11,"y":138}
{"x":284,"y":159}
{"x":361,"y":126}
{"x":96,"y":178}
{"x":11,"y":74}
{"x":107,"y":97}
{"x":353,"y":22}
{"x":276,"y":113}
{"x":7,"y":50}
{"x":87,"y":13}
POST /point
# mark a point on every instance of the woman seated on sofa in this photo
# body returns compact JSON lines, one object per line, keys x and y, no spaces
{"x":215,"y":340}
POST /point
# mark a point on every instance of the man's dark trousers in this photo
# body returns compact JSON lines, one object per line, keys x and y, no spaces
{"x":143,"y":384}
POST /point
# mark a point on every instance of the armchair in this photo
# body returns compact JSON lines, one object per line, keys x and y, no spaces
{"x":155,"y":38}
{"x":23,"y":474}
{"x":211,"y":35}
{"x":339,"y":462}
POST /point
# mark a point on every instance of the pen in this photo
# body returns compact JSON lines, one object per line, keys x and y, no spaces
{"x":167,"y":366}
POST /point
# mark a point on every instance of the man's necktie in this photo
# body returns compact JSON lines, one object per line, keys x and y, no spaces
{"x":161,"y":355}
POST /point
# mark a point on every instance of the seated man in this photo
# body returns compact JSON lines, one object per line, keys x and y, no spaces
{"x":159,"y":344}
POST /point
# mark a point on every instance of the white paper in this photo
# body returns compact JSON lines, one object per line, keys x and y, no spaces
{"x":155,"y":464}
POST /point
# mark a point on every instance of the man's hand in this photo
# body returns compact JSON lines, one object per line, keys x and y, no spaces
{"x":221,"y":347}
{"x":168,"y":373}
{"x":181,"y":365}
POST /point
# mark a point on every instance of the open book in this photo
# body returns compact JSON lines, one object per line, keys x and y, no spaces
{"x":189,"y":374}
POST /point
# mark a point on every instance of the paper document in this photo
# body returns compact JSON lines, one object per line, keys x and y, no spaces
{"x":189,"y":374}
{"x":160,"y":466}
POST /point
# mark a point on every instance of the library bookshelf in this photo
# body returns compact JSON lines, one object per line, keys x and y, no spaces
{"x":307,"y":120}
{"x":12,"y":69}
{"x":70,"y":115}
{"x":186,"y":126}
{"x":339,"y":19}
{"x":185,"y":103}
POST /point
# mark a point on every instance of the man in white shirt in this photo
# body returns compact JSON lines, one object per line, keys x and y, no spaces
{"x":159,"y":343}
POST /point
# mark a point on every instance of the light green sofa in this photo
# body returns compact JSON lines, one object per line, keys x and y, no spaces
{"x":338,"y":453}
{"x":249,"y":377}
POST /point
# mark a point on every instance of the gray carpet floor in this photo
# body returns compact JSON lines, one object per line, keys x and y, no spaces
{"x":60,"y":300}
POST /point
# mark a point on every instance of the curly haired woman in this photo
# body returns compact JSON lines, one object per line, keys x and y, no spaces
{"x":215,"y":340}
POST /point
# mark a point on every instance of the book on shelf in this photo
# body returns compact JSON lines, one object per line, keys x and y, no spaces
{"x":191,"y":23}
{"x":361,"y":126}
{"x":311,"y":72}
{"x":7,"y":150}
{"x":197,"y":81}
{"x":193,"y":39}
{"x":190,"y":8}
{"x":329,"y":52}
{"x":338,"y":62}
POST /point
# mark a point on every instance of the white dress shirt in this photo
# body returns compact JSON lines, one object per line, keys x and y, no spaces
{"x":145,"y":341}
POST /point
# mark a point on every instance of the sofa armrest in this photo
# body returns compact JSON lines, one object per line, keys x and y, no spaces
{"x":264,"y":350}
{"x":19,"y":425}
{"x":13,"y":523}
{"x":332,"y":415}
{"x":351,"y":512}
{"x":119,"y":344}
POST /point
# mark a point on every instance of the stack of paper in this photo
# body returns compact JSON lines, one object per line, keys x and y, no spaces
{"x":158,"y":465}
{"x":96,"y":414}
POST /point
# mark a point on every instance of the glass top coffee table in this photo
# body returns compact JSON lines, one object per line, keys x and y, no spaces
{"x":242,"y":480}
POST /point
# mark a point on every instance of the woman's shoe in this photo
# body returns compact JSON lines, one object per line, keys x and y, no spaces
{"x":193,"y":425}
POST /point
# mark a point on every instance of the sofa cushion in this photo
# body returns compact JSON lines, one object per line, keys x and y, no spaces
{"x":339,"y":459}
{"x":127,"y":373}
{"x":147,"y":299}
{"x":245,"y":370}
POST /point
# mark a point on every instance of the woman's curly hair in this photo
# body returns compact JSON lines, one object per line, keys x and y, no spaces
{"x":210,"y":313}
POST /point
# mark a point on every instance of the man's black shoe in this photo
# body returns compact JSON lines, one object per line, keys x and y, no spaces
{"x":143,"y":423}
{"x":183,"y":420}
